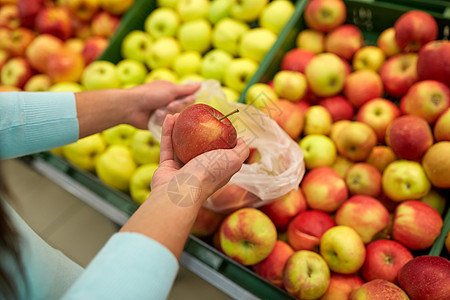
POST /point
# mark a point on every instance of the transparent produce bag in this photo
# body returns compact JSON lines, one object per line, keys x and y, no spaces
{"x":280,"y":168}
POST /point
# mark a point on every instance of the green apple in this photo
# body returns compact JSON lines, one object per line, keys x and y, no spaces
{"x":260,"y":95}
{"x":227,"y":33}
{"x":195,"y":35}
{"x":163,"y":52}
{"x":214,"y":64}
{"x":84,"y":152}
{"x":218,"y":10}
{"x":167,"y":3}
{"x":239,"y":72}
{"x":145,"y":147}
{"x":230,"y":94}
{"x":325,"y":74}
{"x":187,"y":62}
{"x":317,"y":120}
{"x":161,"y":74}
{"x":368,"y":57}
{"x":38,"y":83}
{"x":100,"y":74}
{"x":121,"y":134}
{"x":192,"y":9}
{"x":66,"y":87}
{"x":256,"y":42}
{"x":435,"y":200}
{"x":162,"y":22}
{"x":136,"y":45}
{"x":247,"y":10}
{"x":276,"y":14}
{"x":131,"y":71}
{"x":191,"y":78}
{"x":140,"y":182}
{"x":318,"y":150}
{"x":290,"y":85}
{"x":115,"y":166}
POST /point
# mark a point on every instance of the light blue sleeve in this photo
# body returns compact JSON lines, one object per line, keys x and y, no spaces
{"x":31,"y":122}
{"x":129,"y":266}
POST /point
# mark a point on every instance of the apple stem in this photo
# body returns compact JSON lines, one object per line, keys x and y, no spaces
{"x":229,"y":114}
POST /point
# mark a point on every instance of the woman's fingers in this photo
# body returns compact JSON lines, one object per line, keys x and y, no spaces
{"x":166,"y":148}
{"x":183,"y":90}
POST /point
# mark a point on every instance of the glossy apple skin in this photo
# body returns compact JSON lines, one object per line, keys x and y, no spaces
{"x":436,"y":163}
{"x":399,"y":73}
{"x":363,"y":179}
{"x":355,"y":140}
{"x":414,"y":29}
{"x":287,"y":115}
{"x":380,"y":157}
{"x":198,"y":130}
{"x":341,"y":286}
{"x":429,"y":62}
{"x":344,"y":41}
{"x":338,"y":107}
{"x":362,"y":86}
{"x":206,"y":222}
{"x":379,"y":289}
{"x":441,"y":129}
{"x":314,"y":14}
{"x":296,"y":60}
{"x":426,"y":277}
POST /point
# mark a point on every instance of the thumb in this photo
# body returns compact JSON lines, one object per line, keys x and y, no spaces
{"x":183,"y":90}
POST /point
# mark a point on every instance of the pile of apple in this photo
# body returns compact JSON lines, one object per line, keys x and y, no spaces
{"x":373,"y":123}
{"x":45,"y":45}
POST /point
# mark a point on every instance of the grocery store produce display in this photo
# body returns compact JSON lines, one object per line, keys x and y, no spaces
{"x":362,"y":87}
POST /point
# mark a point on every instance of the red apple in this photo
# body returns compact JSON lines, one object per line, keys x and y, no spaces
{"x":338,"y":107}
{"x":384,"y":259}
{"x":18,"y":41}
{"x":399,"y":73}
{"x":344,"y":41}
{"x":65,"y":65}
{"x":93,"y":48}
{"x":380,"y":157}
{"x":54,"y":21}
{"x":362,"y":86}
{"x":414,"y":29}
{"x":386,"y":42}
{"x":296,"y":60}
{"x":104,"y":24}
{"x":287,"y":115}
{"x":430,"y":62}
{"x":379,"y":289}
{"x":40,"y":48}
{"x":29,"y":9}
{"x":306,"y":229}
{"x":230,"y":198}
{"x":341,"y":286}
{"x":303,"y":105}
{"x":206,"y":222}
{"x":409,"y":137}
{"x":324,"y":15}
{"x":363,"y":179}
{"x":441,"y":129}
{"x":9,"y":16}
{"x":355,"y":140}
{"x":83,"y":9}
{"x":16,"y":72}
{"x":426,"y":277}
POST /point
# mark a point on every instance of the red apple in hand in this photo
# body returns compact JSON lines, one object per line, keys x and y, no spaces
{"x":414,"y":29}
{"x":201,"y":128}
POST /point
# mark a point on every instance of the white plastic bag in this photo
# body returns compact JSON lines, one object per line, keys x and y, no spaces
{"x":281,"y":167}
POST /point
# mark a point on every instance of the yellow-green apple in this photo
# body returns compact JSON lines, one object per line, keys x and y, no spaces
{"x":272,"y":267}
{"x":325,"y":74}
{"x":416,"y":224}
{"x":66,"y":87}
{"x":218,"y":10}
{"x":436,"y":163}
{"x":230,"y":198}
{"x":190,"y":10}
{"x":230,"y":94}
{"x":195,"y":35}
{"x":145,"y":147}
{"x":380,"y":157}
{"x":239,"y":72}
{"x":282,"y":209}
{"x":116,"y":7}
{"x":167,"y":3}
{"x":9,"y":16}
{"x":74,"y":44}
{"x":414,"y":29}
{"x":65,"y":65}
{"x":131,"y":71}
{"x":378,"y":113}
{"x":136,"y":45}
{"x":324,"y":15}
{"x":206,"y":222}
{"x":190,"y":78}
{"x":324,"y":189}
{"x":296,"y":60}
{"x":255,"y":43}
{"x":161,"y":74}
{"x":54,"y":21}
{"x":200,"y":128}
{"x":435,"y":200}
{"x":399,"y":73}
{"x":409,"y":137}
{"x":115,"y":167}
{"x":276,"y":14}
{"x":93,"y":47}
{"x":306,"y":228}
{"x":362,"y":86}
{"x":247,"y":236}
{"x":261,"y":95}
{"x":227,"y":34}
{"x":365,"y":214}
{"x":343,"y":249}
{"x":338,"y":107}
{"x":140,"y":182}
{"x":188,"y":62}
{"x":100,"y":74}
{"x":306,"y":275}
{"x":311,"y":40}
{"x":121,"y":134}
{"x":363,"y":179}
{"x":441,"y":129}
{"x":355,"y":140}
{"x":16,"y":72}
{"x":247,"y":10}
{"x":341,"y":165}
{"x":341,"y":286}
{"x":379,"y":289}
{"x":429,"y":62}
{"x":426,"y":99}
{"x":405,"y":180}
{"x":162,"y":52}
{"x":40,"y":48}
{"x":318,"y":151}
{"x":290,"y":85}
{"x":386,"y":42}
{"x":426,"y":277}
{"x":162,"y":22}
{"x":384,"y":259}
{"x":368,"y":57}
{"x":344,"y":41}
{"x":18,"y":40}
{"x":84,"y":152}
{"x":287,"y":115}
{"x":214,"y":63}
{"x":38,"y":83}
{"x":83,"y":9}
{"x":336,"y":128}
{"x":317,"y":121}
